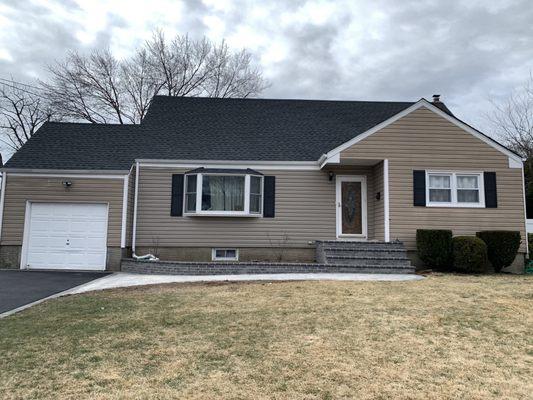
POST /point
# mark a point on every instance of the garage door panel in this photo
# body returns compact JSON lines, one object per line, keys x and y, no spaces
{"x":67,"y":236}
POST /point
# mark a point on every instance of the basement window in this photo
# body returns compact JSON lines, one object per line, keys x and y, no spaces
{"x":225,"y":255}
{"x":223,"y":192}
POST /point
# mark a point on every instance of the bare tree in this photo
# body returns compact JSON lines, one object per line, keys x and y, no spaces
{"x":140,"y":83}
{"x":89,"y":88}
{"x":181,"y":64}
{"x":101,"y":89}
{"x":232,"y":74}
{"x":22,"y":112}
{"x":513,"y":120}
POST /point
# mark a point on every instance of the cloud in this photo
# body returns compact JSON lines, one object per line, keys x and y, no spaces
{"x":468,"y":51}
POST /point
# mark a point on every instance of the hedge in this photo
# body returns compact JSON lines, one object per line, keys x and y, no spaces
{"x":502,"y":247}
{"x":469,"y":254}
{"x":434,"y":248}
{"x":530,"y":243}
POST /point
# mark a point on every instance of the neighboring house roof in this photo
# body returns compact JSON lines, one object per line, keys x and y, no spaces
{"x":195,"y":128}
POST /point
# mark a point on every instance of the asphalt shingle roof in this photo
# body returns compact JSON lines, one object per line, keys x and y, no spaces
{"x":193,"y":128}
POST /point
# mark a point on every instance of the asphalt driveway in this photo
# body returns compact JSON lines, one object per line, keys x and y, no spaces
{"x":18,"y":288}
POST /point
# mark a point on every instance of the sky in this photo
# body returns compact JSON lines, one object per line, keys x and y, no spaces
{"x":470,"y":52}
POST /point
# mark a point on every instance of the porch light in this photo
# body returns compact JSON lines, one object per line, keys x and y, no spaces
{"x":66,"y":184}
{"x":331,"y":175}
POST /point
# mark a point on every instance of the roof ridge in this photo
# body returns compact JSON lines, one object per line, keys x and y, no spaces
{"x":162,"y":96}
{"x":87,"y":123}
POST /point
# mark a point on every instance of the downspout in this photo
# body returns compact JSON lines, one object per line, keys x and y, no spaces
{"x":525,"y":208}
{"x":134,"y":230}
{"x":386,"y":199}
{"x":124,"y":212}
{"x":2,"y":197}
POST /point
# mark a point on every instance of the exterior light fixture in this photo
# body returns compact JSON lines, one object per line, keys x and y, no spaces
{"x":66,"y":184}
{"x":331,"y":175}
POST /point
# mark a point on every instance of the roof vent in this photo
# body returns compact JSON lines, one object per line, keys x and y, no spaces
{"x":436,"y":98}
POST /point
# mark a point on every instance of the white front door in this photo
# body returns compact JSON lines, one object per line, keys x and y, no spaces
{"x":65,"y":236}
{"x":351,"y":207}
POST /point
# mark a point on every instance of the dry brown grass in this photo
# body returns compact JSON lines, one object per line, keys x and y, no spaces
{"x":447,"y":337}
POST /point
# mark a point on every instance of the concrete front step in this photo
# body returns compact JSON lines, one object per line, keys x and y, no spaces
{"x":363,"y":254}
{"x":218,"y":268}
{"x":366,"y":253}
{"x":359,"y":261}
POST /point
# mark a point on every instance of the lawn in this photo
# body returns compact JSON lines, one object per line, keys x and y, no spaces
{"x":446,"y":337}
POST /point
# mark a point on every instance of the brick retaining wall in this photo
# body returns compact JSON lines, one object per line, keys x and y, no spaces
{"x":231,"y":268}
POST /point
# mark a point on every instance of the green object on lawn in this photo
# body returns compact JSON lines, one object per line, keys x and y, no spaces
{"x":529,"y":267}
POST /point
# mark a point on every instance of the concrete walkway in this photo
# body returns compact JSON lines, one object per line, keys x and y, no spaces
{"x":123,"y":279}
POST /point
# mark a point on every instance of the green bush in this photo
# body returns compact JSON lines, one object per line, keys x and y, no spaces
{"x":502,"y":247}
{"x":469,"y":254}
{"x":530,"y":243}
{"x":434,"y":248}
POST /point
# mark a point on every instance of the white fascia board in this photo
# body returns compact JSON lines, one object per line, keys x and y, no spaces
{"x":334,"y":159}
{"x":513,"y":163}
{"x":423,"y":103}
{"x":80,"y":176}
{"x":64,"y":172}
{"x":253,"y":164}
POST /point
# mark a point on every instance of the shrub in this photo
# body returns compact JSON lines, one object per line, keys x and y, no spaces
{"x":502,"y":247}
{"x":434,"y":247}
{"x":469,"y":254}
{"x":530,"y":243}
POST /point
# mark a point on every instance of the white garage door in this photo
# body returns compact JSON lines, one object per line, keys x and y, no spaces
{"x":66,"y":236}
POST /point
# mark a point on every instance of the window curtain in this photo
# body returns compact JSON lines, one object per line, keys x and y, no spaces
{"x":439,"y":188}
{"x":223,"y":193}
{"x":467,"y":189}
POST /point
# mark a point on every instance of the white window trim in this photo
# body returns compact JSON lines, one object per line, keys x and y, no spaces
{"x":205,"y":213}
{"x":453,"y":187}
{"x":215,"y":258}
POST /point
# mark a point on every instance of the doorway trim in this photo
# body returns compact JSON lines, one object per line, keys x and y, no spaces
{"x":338,"y":206}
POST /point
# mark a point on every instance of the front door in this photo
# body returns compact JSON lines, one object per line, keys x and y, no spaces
{"x":351,"y":207}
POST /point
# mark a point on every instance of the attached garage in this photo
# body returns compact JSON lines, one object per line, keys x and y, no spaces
{"x":65,"y":236}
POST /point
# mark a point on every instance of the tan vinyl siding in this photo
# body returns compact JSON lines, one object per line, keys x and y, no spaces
{"x":379,"y":204}
{"x":20,"y":189}
{"x":423,"y":140}
{"x":305,"y":211}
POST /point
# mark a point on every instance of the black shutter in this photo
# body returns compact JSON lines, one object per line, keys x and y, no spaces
{"x":491,"y":195}
{"x":269,"y":197}
{"x":419,"y":188}
{"x":176,"y":202}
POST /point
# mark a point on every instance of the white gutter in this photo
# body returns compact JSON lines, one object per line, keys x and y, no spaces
{"x":2,"y":198}
{"x":134,"y":231}
{"x":386,"y":198}
{"x":226,"y":162}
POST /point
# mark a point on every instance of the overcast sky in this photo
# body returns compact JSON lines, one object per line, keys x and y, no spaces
{"x":467,"y":51}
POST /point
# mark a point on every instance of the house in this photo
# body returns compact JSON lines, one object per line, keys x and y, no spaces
{"x":204,"y":179}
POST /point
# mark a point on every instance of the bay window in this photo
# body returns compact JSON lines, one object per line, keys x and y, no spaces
{"x":454,"y":189}
{"x":223,"y":192}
